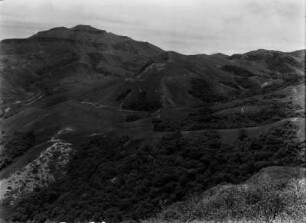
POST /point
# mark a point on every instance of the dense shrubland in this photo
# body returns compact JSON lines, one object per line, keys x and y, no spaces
{"x":141,"y":102}
{"x":15,"y":147}
{"x":280,"y":202}
{"x":240,"y":71}
{"x":272,"y":113}
{"x":114,"y":179}
{"x":123,"y":95}
{"x":132,"y":118}
{"x":205,"y":118}
{"x":204,"y":91}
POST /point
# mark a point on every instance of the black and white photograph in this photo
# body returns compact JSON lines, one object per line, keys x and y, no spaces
{"x":152,"y":111}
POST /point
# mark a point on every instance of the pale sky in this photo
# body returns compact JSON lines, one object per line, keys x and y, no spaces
{"x":185,"y":26}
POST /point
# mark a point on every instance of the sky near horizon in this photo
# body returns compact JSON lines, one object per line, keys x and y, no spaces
{"x":185,"y":26}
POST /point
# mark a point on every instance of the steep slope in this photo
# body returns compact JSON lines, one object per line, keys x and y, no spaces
{"x":275,"y":194}
{"x":54,"y":55}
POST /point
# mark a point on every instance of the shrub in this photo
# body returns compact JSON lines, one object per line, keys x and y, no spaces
{"x":114,"y":180}
{"x":132,"y":118}
{"x":17,"y":146}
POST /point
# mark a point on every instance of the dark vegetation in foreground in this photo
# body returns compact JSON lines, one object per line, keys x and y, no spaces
{"x":15,"y":147}
{"x":114,"y":179}
{"x":282,"y":201}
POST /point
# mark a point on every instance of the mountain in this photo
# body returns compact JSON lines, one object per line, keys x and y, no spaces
{"x":127,"y":121}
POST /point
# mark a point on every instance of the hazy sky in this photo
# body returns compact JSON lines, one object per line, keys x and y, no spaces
{"x":186,"y":26}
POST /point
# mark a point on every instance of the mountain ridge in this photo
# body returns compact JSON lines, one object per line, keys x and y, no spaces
{"x":84,"y":27}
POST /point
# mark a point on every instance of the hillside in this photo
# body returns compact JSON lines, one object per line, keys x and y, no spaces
{"x":137,"y":128}
{"x":275,"y":194}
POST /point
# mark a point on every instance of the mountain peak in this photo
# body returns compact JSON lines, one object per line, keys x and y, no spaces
{"x":68,"y":33}
{"x":86,"y":28}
